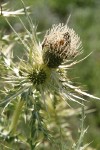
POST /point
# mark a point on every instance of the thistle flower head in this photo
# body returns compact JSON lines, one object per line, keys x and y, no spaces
{"x":60,"y":44}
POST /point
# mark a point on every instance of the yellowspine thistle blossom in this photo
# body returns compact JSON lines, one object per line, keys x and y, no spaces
{"x":60,"y":44}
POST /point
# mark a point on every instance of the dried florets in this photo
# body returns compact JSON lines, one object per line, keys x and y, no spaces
{"x":60,"y":44}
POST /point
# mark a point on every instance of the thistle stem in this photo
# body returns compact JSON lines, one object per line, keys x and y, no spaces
{"x":82,"y":130}
{"x":16,"y":115}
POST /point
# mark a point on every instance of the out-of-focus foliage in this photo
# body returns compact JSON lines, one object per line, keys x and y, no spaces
{"x":85,"y":19}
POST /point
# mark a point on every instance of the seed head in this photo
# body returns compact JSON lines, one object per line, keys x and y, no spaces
{"x":60,"y":44}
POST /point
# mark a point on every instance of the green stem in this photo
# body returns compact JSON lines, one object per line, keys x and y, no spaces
{"x":82,"y":130}
{"x":16,"y":115}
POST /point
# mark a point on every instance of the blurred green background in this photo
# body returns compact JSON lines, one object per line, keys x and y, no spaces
{"x":85,"y":20}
